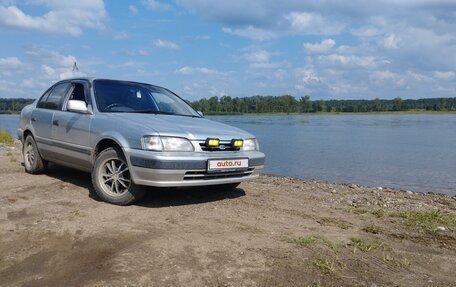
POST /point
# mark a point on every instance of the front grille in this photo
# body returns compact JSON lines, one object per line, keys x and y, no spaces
{"x":204,"y":175}
{"x":224,"y":146}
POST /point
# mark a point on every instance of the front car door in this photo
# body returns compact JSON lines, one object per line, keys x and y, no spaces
{"x":71,"y":130}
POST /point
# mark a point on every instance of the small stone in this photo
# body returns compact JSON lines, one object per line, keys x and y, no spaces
{"x":352,"y":186}
{"x":380,"y":188}
{"x":440,"y":228}
{"x":333,"y":191}
{"x":409,"y":192}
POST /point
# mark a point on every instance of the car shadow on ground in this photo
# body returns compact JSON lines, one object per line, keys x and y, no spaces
{"x":165,"y":197}
{"x":72,"y":176}
{"x":154,"y":197}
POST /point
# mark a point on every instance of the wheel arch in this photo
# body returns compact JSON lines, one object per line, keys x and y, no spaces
{"x":26,"y":133}
{"x":103,"y":144}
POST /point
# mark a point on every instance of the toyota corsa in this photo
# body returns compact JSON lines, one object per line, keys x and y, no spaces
{"x":130,"y":135}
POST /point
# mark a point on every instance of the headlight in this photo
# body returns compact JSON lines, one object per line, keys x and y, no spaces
{"x":250,"y":144}
{"x":157,"y":143}
{"x":152,"y":143}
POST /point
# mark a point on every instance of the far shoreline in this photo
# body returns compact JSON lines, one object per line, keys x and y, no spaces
{"x":412,"y":112}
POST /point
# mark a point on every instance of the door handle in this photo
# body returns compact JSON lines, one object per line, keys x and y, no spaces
{"x":55,"y":122}
{"x":33,"y":119}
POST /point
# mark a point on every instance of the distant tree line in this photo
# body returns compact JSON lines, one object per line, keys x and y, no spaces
{"x":13,"y":106}
{"x":289,"y":104}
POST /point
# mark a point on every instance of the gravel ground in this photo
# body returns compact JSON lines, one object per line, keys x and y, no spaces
{"x":273,"y":231}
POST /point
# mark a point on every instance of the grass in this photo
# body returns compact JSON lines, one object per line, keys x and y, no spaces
{"x":403,"y":263}
{"x":310,"y":240}
{"x":6,"y":137}
{"x":372,"y":229}
{"x":337,"y":222}
{"x":379,"y":213}
{"x":357,"y":210}
{"x":304,"y":241}
{"x":75,"y":212}
{"x":363,"y":245}
{"x":327,"y":265}
{"x":427,"y":221}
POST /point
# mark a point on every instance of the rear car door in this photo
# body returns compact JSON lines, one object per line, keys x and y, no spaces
{"x":42,"y":116}
{"x":71,"y":130}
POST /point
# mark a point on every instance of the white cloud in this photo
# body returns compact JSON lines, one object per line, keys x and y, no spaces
{"x":122,"y":35}
{"x":348,"y":90}
{"x":49,"y":70}
{"x":71,"y":74}
{"x":133,"y":10}
{"x":313,"y":23}
{"x":10,"y":62}
{"x":381,"y":76}
{"x":447,"y":75}
{"x":307,"y":75}
{"x":197,"y":70}
{"x":257,"y":56}
{"x":143,"y":52}
{"x":337,"y":59}
{"x":391,"y":42}
{"x":251,"y":33}
{"x":321,"y":47}
{"x":63,"y":17}
{"x":266,"y":65}
{"x":165,"y":44}
{"x":157,"y":5}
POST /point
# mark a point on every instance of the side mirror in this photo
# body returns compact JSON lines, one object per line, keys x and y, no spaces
{"x":200,"y":113}
{"x":77,"y":107}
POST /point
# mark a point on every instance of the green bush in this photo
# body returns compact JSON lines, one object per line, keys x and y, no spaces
{"x":6,"y":137}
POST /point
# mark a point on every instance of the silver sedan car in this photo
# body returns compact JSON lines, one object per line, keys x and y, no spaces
{"x":130,"y":135}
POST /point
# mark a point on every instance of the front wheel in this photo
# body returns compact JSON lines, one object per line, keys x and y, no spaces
{"x":111,"y":178}
{"x":33,"y":162}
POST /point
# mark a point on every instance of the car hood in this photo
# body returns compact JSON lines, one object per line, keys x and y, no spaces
{"x":189,"y":127}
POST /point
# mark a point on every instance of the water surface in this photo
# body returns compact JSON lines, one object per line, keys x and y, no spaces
{"x":410,"y":152}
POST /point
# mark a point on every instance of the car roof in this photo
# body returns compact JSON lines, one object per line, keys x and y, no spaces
{"x":91,"y":79}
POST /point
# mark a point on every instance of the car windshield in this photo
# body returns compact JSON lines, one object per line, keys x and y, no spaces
{"x":127,"y":97}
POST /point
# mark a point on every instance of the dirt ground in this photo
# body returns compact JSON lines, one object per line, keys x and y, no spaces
{"x":269,"y":232}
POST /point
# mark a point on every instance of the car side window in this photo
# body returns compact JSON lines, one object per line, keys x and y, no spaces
{"x":78,"y":93}
{"x":42,"y":101}
{"x":55,"y":99}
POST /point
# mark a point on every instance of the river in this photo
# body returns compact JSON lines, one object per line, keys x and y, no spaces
{"x":409,"y":152}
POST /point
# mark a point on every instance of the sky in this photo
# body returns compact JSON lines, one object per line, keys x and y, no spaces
{"x":327,"y":49}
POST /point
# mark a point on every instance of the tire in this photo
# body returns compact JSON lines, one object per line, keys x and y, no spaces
{"x":33,"y":162}
{"x":111,"y":178}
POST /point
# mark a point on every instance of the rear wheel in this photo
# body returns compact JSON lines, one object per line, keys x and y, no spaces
{"x":33,"y":162}
{"x":111,"y":178}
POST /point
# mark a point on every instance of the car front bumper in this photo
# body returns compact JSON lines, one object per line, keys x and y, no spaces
{"x":163,"y":169}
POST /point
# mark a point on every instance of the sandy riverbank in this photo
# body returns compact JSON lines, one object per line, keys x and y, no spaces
{"x":269,"y":232}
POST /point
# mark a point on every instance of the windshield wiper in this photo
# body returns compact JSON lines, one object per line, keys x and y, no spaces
{"x":162,"y":113}
{"x":152,"y":112}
